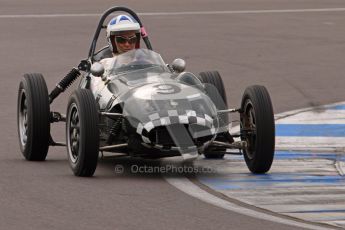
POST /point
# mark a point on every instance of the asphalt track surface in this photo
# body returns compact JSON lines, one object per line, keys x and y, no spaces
{"x":298,"y":56}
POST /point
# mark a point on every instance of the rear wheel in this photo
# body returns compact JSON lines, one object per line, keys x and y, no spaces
{"x":82,"y":133}
{"x":215,"y":89}
{"x":214,"y":78}
{"x":33,"y":117}
{"x":257,"y":129}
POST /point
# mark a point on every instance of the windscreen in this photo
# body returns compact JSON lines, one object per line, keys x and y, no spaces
{"x":137,"y":59}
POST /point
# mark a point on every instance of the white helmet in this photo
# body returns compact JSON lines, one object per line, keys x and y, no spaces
{"x":119,"y":24}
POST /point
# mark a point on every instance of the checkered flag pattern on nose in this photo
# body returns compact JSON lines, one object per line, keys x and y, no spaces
{"x":164,"y":118}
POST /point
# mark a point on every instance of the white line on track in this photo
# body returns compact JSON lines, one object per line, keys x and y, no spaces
{"x":279,"y":116}
{"x":180,"y":13}
{"x":324,"y":116}
{"x":328,"y":144}
{"x":185,"y":185}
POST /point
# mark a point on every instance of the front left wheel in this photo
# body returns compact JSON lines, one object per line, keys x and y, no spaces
{"x":82,"y":133}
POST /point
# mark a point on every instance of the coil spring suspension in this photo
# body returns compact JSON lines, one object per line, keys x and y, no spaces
{"x":115,"y":130}
{"x":64,"y":84}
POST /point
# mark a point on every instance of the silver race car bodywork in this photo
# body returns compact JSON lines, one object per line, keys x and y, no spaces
{"x":140,"y":106}
{"x":163,"y":111}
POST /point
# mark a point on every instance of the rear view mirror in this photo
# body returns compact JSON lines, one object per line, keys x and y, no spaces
{"x":97,"y":69}
{"x":178,"y":65}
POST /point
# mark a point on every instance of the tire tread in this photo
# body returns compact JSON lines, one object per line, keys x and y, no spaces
{"x":88,"y":118}
{"x":36,"y":93}
{"x":265,"y":136}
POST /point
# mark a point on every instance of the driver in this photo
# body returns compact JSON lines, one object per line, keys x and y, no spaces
{"x":123,"y":34}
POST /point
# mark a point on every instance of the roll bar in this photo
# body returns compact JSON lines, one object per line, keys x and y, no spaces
{"x":143,"y":32}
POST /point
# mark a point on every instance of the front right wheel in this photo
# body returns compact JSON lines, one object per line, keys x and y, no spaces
{"x":257,"y":129}
{"x":82,"y":133}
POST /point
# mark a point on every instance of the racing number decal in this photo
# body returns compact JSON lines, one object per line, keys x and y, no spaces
{"x":167,"y":89}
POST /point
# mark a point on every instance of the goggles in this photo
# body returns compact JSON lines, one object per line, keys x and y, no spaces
{"x":131,"y":40}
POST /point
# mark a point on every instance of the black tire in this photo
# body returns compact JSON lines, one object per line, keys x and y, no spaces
{"x":214,"y":78}
{"x":33,"y":115}
{"x":257,"y":123}
{"x":218,"y":96}
{"x":82,"y":133}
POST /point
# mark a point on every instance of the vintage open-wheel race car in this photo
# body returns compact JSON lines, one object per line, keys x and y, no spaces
{"x":142,"y":106}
